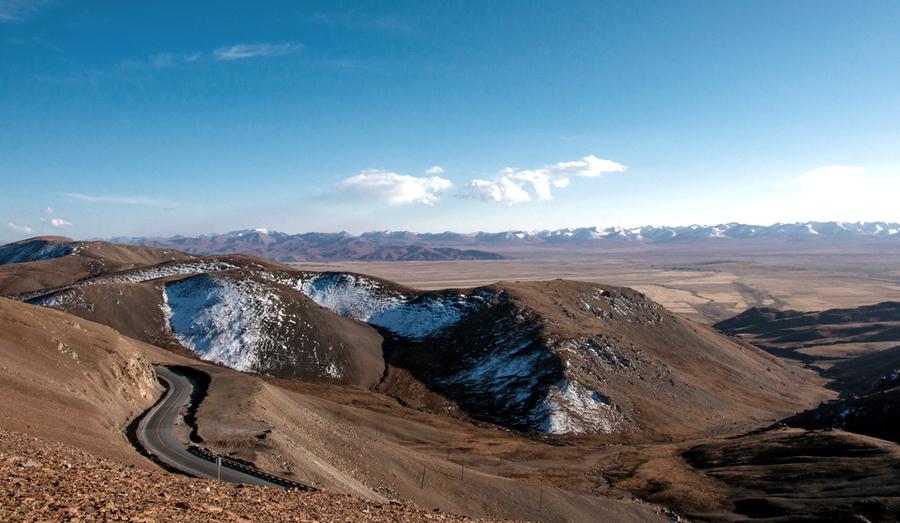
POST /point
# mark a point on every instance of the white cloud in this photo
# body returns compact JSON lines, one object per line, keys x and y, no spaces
{"x":396,"y":189}
{"x":59,"y":222}
{"x":19,"y":228}
{"x":49,"y":210}
{"x":241,"y":51}
{"x":523,"y":185}
{"x":435,"y":169}
{"x":123,"y":200}
{"x":502,"y":190}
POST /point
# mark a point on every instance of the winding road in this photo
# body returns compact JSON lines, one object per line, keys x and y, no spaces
{"x":157,"y":433}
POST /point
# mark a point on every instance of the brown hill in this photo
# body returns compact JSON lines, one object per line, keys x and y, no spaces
{"x":52,"y":262}
{"x":561,"y":357}
{"x":228,"y":310}
{"x":87,"y":402}
{"x":797,"y":475}
{"x":556,"y":357}
{"x":568,"y":357}
{"x":872,"y":372}
{"x":848,"y":346}
{"x":819,"y":338}
{"x":876,"y":414}
{"x":72,"y":380}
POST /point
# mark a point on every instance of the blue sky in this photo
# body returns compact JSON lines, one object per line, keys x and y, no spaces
{"x":165,"y":118}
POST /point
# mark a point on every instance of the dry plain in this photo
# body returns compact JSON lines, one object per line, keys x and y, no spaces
{"x":702,"y":288}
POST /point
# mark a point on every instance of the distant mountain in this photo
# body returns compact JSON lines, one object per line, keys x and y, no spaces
{"x":314,"y":246}
{"x":411,"y":246}
{"x":662,"y":234}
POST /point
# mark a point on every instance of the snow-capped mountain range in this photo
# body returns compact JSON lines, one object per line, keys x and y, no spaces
{"x":411,"y":246}
{"x":652,"y":234}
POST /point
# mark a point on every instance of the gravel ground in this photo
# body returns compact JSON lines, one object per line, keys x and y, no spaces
{"x":44,"y":481}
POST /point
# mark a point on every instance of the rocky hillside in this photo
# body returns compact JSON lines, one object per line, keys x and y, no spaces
{"x":72,"y":380}
{"x":563,"y":357}
{"x":231,"y":311}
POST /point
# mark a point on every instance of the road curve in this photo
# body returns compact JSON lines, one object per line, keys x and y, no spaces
{"x":156,"y":434}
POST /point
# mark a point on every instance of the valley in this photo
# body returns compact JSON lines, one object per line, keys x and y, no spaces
{"x":527,"y":399}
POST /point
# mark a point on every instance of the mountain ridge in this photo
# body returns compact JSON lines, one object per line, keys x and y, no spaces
{"x":387,"y":245}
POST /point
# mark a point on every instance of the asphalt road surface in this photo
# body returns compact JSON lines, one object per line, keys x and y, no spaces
{"x":156,"y":432}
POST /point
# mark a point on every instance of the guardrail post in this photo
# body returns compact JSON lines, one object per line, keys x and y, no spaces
{"x":219,"y":468}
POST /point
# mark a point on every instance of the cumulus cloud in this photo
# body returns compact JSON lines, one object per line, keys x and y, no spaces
{"x":123,"y":200}
{"x":435,"y":169}
{"x":19,"y":228}
{"x":59,"y":222}
{"x":395,"y":189}
{"x":242,"y":51}
{"x":524,"y":185}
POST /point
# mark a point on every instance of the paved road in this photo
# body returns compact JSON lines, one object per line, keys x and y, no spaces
{"x":156,"y":433}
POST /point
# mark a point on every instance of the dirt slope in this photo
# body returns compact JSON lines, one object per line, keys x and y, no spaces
{"x":71,"y":380}
{"x":364,"y":444}
{"x":87,"y":487}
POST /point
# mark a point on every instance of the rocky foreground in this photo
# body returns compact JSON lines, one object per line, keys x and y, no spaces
{"x":44,"y":481}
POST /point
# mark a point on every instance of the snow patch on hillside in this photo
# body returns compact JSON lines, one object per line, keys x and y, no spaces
{"x":351,"y":296}
{"x":510,"y":371}
{"x":372,"y":302}
{"x":33,"y":251}
{"x":221,"y":319}
{"x":572,"y":408}
{"x":71,"y":300}
{"x":425,"y":317}
{"x":162,"y":271}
